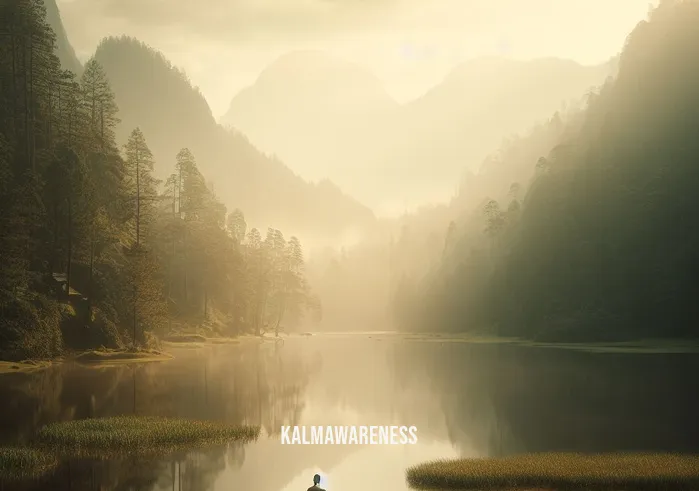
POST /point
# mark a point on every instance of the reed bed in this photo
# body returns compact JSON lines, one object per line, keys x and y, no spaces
{"x":122,"y":435}
{"x":561,"y":471}
{"x":23,"y":463}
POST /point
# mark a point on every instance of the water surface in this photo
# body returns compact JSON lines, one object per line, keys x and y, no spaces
{"x":465,"y":400}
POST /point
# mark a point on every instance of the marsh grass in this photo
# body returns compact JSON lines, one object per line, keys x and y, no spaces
{"x":23,"y":463}
{"x":561,"y":472}
{"x":142,"y":435}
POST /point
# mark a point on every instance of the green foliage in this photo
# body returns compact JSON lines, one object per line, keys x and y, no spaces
{"x":95,"y":253}
{"x":236,"y":226}
{"x":173,"y":114}
{"x":31,"y":327}
{"x":599,"y":248}
{"x":237,"y":282}
{"x":104,"y":332}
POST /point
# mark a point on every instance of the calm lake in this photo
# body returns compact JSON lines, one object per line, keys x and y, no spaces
{"x":464,"y":399}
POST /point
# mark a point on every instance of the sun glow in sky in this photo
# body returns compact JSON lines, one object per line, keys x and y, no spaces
{"x":409,"y":44}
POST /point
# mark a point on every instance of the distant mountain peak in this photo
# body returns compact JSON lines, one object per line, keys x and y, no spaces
{"x":313,"y":80}
{"x":327,"y":117}
{"x":486,"y":66}
{"x":64,"y":50}
{"x":159,"y":98}
{"x":315,"y":63}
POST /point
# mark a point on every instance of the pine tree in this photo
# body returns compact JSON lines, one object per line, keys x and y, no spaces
{"x":147,"y":300}
{"x":99,"y":106}
{"x":236,"y":225}
{"x":139,"y":166}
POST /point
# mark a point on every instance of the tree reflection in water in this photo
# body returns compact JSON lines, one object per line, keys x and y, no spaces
{"x":502,"y":399}
{"x":482,"y":399}
{"x":260,"y":384}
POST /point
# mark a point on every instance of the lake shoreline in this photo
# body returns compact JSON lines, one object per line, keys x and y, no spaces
{"x":197,"y":341}
{"x":26,"y":366}
{"x":658,"y":346}
{"x":585,"y":403}
{"x":104,"y":357}
{"x":87,"y":357}
{"x":121,"y":356}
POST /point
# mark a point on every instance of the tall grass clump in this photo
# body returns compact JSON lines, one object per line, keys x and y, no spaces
{"x":138,"y":434}
{"x":561,"y":471}
{"x":22,"y":463}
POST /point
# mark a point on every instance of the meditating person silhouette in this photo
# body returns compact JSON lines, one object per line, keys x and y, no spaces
{"x":316,"y":482}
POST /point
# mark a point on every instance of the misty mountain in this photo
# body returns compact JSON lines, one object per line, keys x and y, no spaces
{"x":64,"y":50}
{"x":599,"y":247}
{"x":482,"y":102}
{"x":306,"y":107}
{"x":391,"y":155}
{"x":159,"y":98}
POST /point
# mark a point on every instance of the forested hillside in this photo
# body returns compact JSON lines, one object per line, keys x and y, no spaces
{"x":96,"y":251}
{"x":406,"y":250}
{"x":159,"y":99}
{"x":601,"y":246}
{"x":319,"y":113}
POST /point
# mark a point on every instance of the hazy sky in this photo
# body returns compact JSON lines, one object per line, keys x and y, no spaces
{"x":410,"y":44}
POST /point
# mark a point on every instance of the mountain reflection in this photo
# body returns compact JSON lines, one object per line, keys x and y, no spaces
{"x":465,"y":399}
